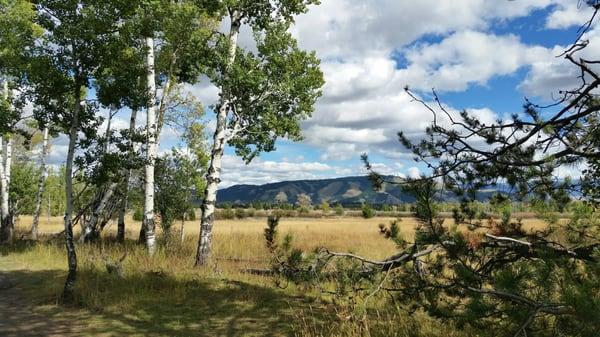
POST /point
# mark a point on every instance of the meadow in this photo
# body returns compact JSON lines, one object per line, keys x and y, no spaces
{"x":166,"y":296}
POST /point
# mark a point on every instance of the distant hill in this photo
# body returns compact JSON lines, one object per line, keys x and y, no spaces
{"x":346,"y":191}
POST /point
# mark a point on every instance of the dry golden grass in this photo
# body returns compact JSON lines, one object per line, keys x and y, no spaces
{"x":243,"y":239}
{"x":165,"y":296}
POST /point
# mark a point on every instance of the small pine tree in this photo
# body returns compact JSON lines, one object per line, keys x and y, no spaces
{"x":367,"y":211}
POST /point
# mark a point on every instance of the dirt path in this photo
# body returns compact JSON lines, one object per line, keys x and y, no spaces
{"x":17,"y":317}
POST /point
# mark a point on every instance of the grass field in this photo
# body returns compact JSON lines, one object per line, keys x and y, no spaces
{"x":166,"y":296}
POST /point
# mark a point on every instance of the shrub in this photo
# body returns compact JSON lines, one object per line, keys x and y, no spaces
{"x":240,"y":213}
{"x":303,"y":210}
{"x":367,"y":211}
{"x":339,"y":210}
{"x":325,"y":207}
{"x":227,"y":214}
{"x":138,"y":214}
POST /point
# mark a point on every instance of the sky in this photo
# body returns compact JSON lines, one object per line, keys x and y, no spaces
{"x":483,"y":56}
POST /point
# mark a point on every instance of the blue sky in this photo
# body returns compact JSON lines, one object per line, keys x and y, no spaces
{"x":481,"y":55}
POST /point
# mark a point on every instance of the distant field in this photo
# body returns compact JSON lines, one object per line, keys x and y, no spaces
{"x":243,"y":239}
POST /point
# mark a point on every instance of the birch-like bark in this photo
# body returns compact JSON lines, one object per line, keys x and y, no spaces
{"x":69,"y":242}
{"x":125,"y":198}
{"x":148,"y":221}
{"x":2,"y":183}
{"x":160,"y":116}
{"x":213,"y":177}
{"x":181,"y":232}
{"x":6,"y":221}
{"x":3,"y":212}
{"x":41,"y":185}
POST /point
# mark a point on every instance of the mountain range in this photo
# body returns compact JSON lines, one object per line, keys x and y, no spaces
{"x":345,"y":191}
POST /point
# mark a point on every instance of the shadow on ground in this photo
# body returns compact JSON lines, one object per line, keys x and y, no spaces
{"x":142,"y":304}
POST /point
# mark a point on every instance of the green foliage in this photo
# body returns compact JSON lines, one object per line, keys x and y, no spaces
{"x":18,"y":34}
{"x":227,"y":212}
{"x":386,"y":208}
{"x":240,"y":213}
{"x":339,"y":210}
{"x":54,"y":193}
{"x":271,"y":233}
{"x":545,"y":210}
{"x":325,"y":207}
{"x":303,"y":210}
{"x":271,"y":89}
{"x":176,"y":176}
{"x":393,"y":233}
{"x":287,"y":212}
{"x":367,"y":211}
{"x":23,"y":186}
{"x":138,"y":214}
{"x":293,"y":81}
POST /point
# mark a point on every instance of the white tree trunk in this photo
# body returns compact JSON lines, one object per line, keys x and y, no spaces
{"x":213,"y":177}
{"x":3,"y":212}
{"x":181,"y":232}
{"x":41,"y":185}
{"x":6,"y":220}
{"x":125,"y":198}
{"x":2,"y":184}
{"x":148,"y":222}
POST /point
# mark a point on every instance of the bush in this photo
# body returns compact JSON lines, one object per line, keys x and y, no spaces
{"x":339,"y":210}
{"x":227,"y":214}
{"x":240,"y":213}
{"x":138,"y":214}
{"x":367,"y":211}
{"x":285,"y":213}
{"x":325,"y":207}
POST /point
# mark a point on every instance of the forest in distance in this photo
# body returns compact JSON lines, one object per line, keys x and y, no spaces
{"x":299,"y":168}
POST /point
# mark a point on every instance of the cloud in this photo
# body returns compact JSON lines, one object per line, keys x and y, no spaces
{"x":568,"y":13}
{"x":466,"y":58}
{"x":346,"y":29}
{"x":204,"y":91}
{"x":414,"y":172}
{"x":259,"y":171}
{"x":371,"y":50}
{"x":548,"y":76}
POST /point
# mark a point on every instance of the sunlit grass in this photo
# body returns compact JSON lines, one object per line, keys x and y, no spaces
{"x":165,"y":296}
